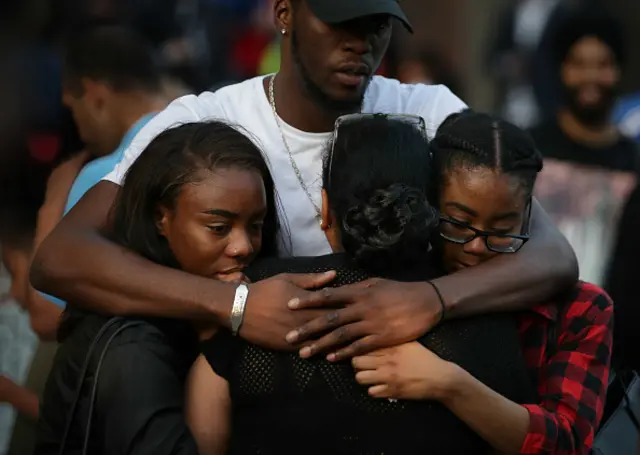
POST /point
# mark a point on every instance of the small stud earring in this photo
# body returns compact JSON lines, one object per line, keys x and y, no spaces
{"x":283,"y":31}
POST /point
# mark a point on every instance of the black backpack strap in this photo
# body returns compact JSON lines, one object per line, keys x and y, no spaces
{"x":94,"y":389}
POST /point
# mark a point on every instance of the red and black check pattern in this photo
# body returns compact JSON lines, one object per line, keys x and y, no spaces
{"x":571,"y":371}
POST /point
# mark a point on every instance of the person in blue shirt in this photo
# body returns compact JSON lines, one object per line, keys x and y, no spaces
{"x":112,"y":85}
{"x":627,"y":116}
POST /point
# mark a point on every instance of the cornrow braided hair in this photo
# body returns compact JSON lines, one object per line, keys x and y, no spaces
{"x":472,"y":140}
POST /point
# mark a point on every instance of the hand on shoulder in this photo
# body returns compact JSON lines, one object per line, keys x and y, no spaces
{"x":367,"y":316}
{"x":267,"y":319}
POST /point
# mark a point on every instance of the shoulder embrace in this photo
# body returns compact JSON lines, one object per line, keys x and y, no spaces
{"x":434,"y":103}
{"x":429,"y":94}
{"x":202,"y":105}
{"x":231,"y":96}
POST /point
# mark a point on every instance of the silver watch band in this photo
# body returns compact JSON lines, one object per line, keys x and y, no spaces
{"x":239,"y":305}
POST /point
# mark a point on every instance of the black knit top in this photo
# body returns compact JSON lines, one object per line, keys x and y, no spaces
{"x":282,"y":404}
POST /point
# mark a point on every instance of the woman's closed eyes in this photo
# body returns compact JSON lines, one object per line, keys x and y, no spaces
{"x":223,"y":228}
{"x":459,"y":225}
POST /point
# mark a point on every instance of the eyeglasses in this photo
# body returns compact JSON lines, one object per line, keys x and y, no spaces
{"x":461,"y":233}
{"x":415,"y":120}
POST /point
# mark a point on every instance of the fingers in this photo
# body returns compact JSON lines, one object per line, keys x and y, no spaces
{"x":370,"y":377}
{"x":381,"y":391}
{"x":368,"y":345}
{"x":335,"y":319}
{"x":310,"y":280}
{"x":340,"y":336}
{"x":367,"y":362}
{"x":326,"y":297}
{"x":377,"y":379}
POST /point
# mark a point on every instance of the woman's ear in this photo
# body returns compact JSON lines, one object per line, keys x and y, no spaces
{"x":162,"y":221}
{"x":326,"y":212}
{"x":329,"y":225}
{"x":283,"y":14}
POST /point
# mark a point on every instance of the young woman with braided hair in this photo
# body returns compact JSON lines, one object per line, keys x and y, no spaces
{"x":485,"y":172}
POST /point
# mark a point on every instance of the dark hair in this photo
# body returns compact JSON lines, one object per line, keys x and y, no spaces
{"x":113,"y":55}
{"x":436,"y":63}
{"x":172,"y":160}
{"x":377,"y":179}
{"x":471,"y":140}
{"x":588,"y":21}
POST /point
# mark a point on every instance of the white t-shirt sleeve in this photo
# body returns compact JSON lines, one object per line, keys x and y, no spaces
{"x":187,"y":109}
{"x":446,"y":104}
{"x":435,"y":103}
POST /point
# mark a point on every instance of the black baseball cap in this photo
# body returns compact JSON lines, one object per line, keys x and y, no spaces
{"x":337,"y":11}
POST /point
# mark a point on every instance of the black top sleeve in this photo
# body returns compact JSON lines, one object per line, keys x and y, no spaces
{"x":140,"y":397}
{"x":220,"y":351}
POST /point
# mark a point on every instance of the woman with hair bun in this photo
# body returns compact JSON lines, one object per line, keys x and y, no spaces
{"x":243,"y":399}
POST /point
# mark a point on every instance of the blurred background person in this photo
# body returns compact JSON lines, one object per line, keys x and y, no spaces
{"x":18,"y":213}
{"x":16,"y":251}
{"x":514,"y":57}
{"x":627,"y":116}
{"x":427,"y":66}
{"x":590,"y":167}
{"x":112,"y":86}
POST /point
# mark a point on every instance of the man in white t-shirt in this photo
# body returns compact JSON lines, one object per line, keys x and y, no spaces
{"x":330,"y":51}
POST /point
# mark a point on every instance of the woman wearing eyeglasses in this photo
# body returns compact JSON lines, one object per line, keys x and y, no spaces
{"x":243,"y":399}
{"x":486,"y":170}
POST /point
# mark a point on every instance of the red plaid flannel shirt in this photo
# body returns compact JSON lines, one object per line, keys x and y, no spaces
{"x":572,"y":372}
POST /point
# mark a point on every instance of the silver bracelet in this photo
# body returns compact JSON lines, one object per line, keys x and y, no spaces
{"x":239,"y":305}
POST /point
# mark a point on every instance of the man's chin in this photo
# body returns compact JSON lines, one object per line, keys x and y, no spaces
{"x":347,"y":101}
{"x":592,"y":116}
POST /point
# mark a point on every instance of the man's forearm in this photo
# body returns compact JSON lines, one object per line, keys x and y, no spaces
{"x":79,"y":265}
{"x":99,"y":275}
{"x":545,"y":266}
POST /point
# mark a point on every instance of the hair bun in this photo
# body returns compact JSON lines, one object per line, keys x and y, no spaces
{"x":394,"y":225}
